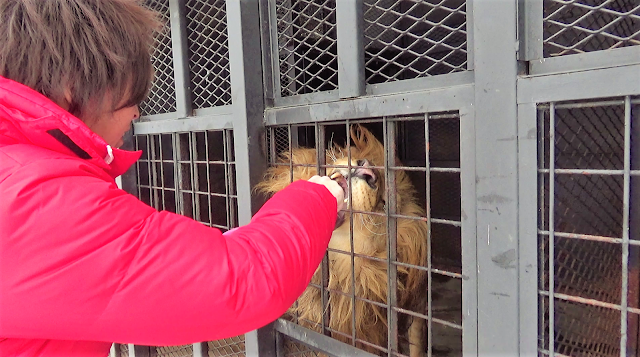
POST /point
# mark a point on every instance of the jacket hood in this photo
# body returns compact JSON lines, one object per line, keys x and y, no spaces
{"x":28,"y":117}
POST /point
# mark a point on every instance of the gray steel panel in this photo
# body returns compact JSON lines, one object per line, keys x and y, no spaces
{"x":350,"y":48}
{"x":598,"y":83}
{"x":528,"y":227}
{"x":469,"y":248}
{"x":496,"y":176}
{"x":247,"y":93}
{"x":181,"y":125}
{"x":315,"y":340}
{"x":310,"y":98}
{"x":584,"y":61}
{"x":407,"y":85}
{"x":220,"y":110}
{"x":164,"y":116}
{"x":470,"y":38}
{"x":530,"y":29}
{"x":375,"y":106}
{"x":180,"y":57}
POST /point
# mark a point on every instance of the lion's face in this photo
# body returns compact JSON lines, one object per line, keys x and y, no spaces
{"x":361,"y":184}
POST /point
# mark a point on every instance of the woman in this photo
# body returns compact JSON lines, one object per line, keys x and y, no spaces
{"x":84,"y":264}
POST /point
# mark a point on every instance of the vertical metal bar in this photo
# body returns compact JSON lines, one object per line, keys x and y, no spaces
{"x":552,"y":178}
{"x":195,"y":202}
{"x":206,"y":148}
{"x":542,"y":215}
{"x":232,"y":177}
{"x":177,"y":174}
{"x":350,"y":27}
{"x":390,"y":158}
{"x":290,"y":142}
{"x":200,"y":349}
{"x":470,"y":35}
{"x":275,"y":51}
{"x":495,"y":71}
{"x":161,"y":171}
{"x":324,"y":266}
{"x":267,"y":43}
{"x":130,"y":179}
{"x":530,"y":36}
{"x":625,"y":227}
{"x":243,"y":28}
{"x":180,"y":51}
{"x":227,"y":183}
{"x":469,"y":239}
{"x":152,"y":164}
{"x":351,"y":244}
{"x":528,"y":224}
{"x":429,"y":245}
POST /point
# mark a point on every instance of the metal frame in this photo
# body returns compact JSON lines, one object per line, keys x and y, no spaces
{"x":497,"y":99}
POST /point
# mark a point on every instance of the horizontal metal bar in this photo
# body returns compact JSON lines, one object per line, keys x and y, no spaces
{"x":589,"y":172}
{"x":589,"y":237}
{"x":555,"y":354}
{"x":589,"y":104}
{"x":437,"y":100}
{"x":419,"y":84}
{"x":583,"y":61}
{"x":581,"y":300}
{"x":217,"y":122}
{"x":315,"y":340}
{"x":597,"y":83}
{"x":425,"y":317}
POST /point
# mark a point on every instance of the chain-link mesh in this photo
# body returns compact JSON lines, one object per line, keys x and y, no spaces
{"x":410,"y":39}
{"x":442,"y":166}
{"x":307,"y":46}
{"x":579,"y":26}
{"x":228,"y":347}
{"x":587,"y":210}
{"x":162,"y":96}
{"x":208,"y":53}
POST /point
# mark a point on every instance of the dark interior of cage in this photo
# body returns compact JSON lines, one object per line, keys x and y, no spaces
{"x":589,"y":137}
{"x":444,"y":193}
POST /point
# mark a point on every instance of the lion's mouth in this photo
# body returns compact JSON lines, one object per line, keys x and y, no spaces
{"x":362,"y":171}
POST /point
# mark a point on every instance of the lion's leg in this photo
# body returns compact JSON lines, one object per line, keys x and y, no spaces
{"x":416,"y":337}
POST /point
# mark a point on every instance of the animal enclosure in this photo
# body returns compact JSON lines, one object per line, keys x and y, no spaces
{"x":502,"y":134}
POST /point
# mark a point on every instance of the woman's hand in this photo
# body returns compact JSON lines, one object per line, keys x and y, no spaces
{"x":332,"y":186}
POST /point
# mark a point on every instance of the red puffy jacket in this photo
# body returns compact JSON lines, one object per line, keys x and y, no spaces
{"x":84,"y":264}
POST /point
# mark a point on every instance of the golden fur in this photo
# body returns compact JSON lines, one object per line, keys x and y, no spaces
{"x":369,"y":239}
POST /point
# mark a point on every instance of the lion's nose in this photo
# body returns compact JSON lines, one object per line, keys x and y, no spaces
{"x":365,"y":173}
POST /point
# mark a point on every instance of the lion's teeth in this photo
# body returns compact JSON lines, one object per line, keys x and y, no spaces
{"x":335,"y":175}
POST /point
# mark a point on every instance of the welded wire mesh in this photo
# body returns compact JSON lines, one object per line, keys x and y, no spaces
{"x":307,"y":46}
{"x":208,"y":53}
{"x":162,"y":96}
{"x":410,"y":39}
{"x":293,"y":348}
{"x":175,"y":351}
{"x":190,"y":173}
{"x":228,"y":347}
{"x":587,"y":258}
{"x":123,"y":349}
{"x":438,"y":298}
{"x":589,"y":25}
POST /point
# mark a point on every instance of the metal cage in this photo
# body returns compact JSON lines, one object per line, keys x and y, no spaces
{"x":513,"y":120}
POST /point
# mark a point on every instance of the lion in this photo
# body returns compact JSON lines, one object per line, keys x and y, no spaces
{"x":366,"y":184}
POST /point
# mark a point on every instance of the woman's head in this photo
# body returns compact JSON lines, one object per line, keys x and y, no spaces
{"x":92,"y":57}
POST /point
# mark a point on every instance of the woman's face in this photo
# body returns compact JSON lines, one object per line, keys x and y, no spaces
{"x":112,"y":126}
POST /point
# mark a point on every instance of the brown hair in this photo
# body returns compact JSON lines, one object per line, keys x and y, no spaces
{"x":96,"y":51}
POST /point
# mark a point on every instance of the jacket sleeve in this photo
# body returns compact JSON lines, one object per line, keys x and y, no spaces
{"x":81,"y":259}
